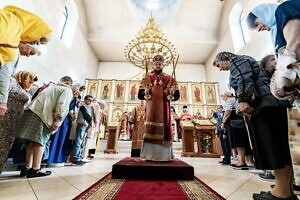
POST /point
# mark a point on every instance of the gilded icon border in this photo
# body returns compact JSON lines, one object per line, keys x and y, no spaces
{"x":210,"y":93}
{"x":197,"y":93}
{"x":92,"y":88}
{"x":119,"y":94}
{"x":184,"y":93}
{"x":117,"y":111}
{"x":122,"y":94}
{"x":105,"y":91}
{"x":133,"y":91}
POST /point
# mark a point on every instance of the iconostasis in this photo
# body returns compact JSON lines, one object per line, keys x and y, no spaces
{"x":121,"y":95}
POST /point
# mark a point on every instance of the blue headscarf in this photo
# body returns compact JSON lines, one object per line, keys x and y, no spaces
{"x":265,"y":14}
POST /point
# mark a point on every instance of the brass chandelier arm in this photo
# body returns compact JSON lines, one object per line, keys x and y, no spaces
{"x":175,"y":61}
{"x":139,"y":56}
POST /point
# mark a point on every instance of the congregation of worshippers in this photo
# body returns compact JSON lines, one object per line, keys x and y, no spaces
{"x":59,"y":124}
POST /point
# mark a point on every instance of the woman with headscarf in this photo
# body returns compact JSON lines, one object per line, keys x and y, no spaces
{"x":262,"y":18}
{"x":17,"y":98}
{"x":285,"y":83}
{"x":59,"y":141}
{"x":269,"y":139}
{"x":41,"y":118}
{"x":284,"y":23}
{"x":18,"y":27}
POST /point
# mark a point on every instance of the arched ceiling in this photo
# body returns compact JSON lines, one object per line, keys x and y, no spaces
{"x":193,"y":28}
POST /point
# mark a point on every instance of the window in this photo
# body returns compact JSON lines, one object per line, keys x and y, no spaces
{"x":238,"y":27}
{"x":65,"y":19}
{"x":245,"y":28}
{"x":68,"y":23}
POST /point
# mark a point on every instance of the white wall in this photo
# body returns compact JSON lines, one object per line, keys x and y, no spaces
{"x":127,"y":71}
{"x":79,"y":61}
{"x":259,"y":45}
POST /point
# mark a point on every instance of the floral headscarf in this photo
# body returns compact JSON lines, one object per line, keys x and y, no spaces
{"x":25,"y":77}
{"x":223,"y":56}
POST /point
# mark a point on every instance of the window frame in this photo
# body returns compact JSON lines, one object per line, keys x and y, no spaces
{"x":66,"y":15}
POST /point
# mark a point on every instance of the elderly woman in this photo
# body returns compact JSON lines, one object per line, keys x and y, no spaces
{"x":18,"y":27}
{"x":284,"y":23}
{"x":42,"y":118}
{"x":268,"y":63}
{"x":17,"y":98}
{"x":269,"y":139}
{"x":59,"y":141}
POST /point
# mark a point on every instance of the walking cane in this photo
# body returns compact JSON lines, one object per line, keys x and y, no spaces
{"x":248,"y":132}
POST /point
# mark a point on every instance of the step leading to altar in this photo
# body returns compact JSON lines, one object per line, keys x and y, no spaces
{"x":136,"y":168}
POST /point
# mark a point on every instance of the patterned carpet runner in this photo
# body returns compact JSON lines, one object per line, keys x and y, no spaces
{"x":121,"y":189}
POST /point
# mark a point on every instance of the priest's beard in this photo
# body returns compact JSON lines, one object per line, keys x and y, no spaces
{"x":158,"y":71}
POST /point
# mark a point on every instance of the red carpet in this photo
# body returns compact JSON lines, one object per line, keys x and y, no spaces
{"x":137,"y":189}
{"x":121,"y":189}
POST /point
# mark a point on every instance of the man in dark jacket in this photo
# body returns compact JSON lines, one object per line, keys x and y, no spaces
{"x":223,"y":137}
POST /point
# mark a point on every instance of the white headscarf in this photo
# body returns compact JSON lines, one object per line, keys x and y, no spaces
{"x":265,"y":14}
{"x":102,"y":102}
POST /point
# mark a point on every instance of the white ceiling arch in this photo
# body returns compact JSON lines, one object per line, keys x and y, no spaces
{"x":193,"y":28}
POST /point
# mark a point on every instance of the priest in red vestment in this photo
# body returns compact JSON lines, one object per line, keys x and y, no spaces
{"x":158,"y":89}
{"x":137,"y":121}
{"x":185,"y":115}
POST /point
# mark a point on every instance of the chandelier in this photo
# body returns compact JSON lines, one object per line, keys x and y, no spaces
{"x":148,"y":42}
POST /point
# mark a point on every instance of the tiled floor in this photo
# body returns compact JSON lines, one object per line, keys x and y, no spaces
{"x":67,"y":182}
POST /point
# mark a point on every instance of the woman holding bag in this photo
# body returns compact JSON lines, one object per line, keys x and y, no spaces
{"x":253,"y":94}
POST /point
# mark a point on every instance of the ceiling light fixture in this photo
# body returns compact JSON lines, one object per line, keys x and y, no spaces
{"x":148,"y":42}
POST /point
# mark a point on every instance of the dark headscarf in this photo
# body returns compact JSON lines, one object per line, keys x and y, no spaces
{"x":223,"y":56}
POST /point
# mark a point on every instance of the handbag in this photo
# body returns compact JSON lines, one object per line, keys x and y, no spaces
{"x":237,"y":123}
